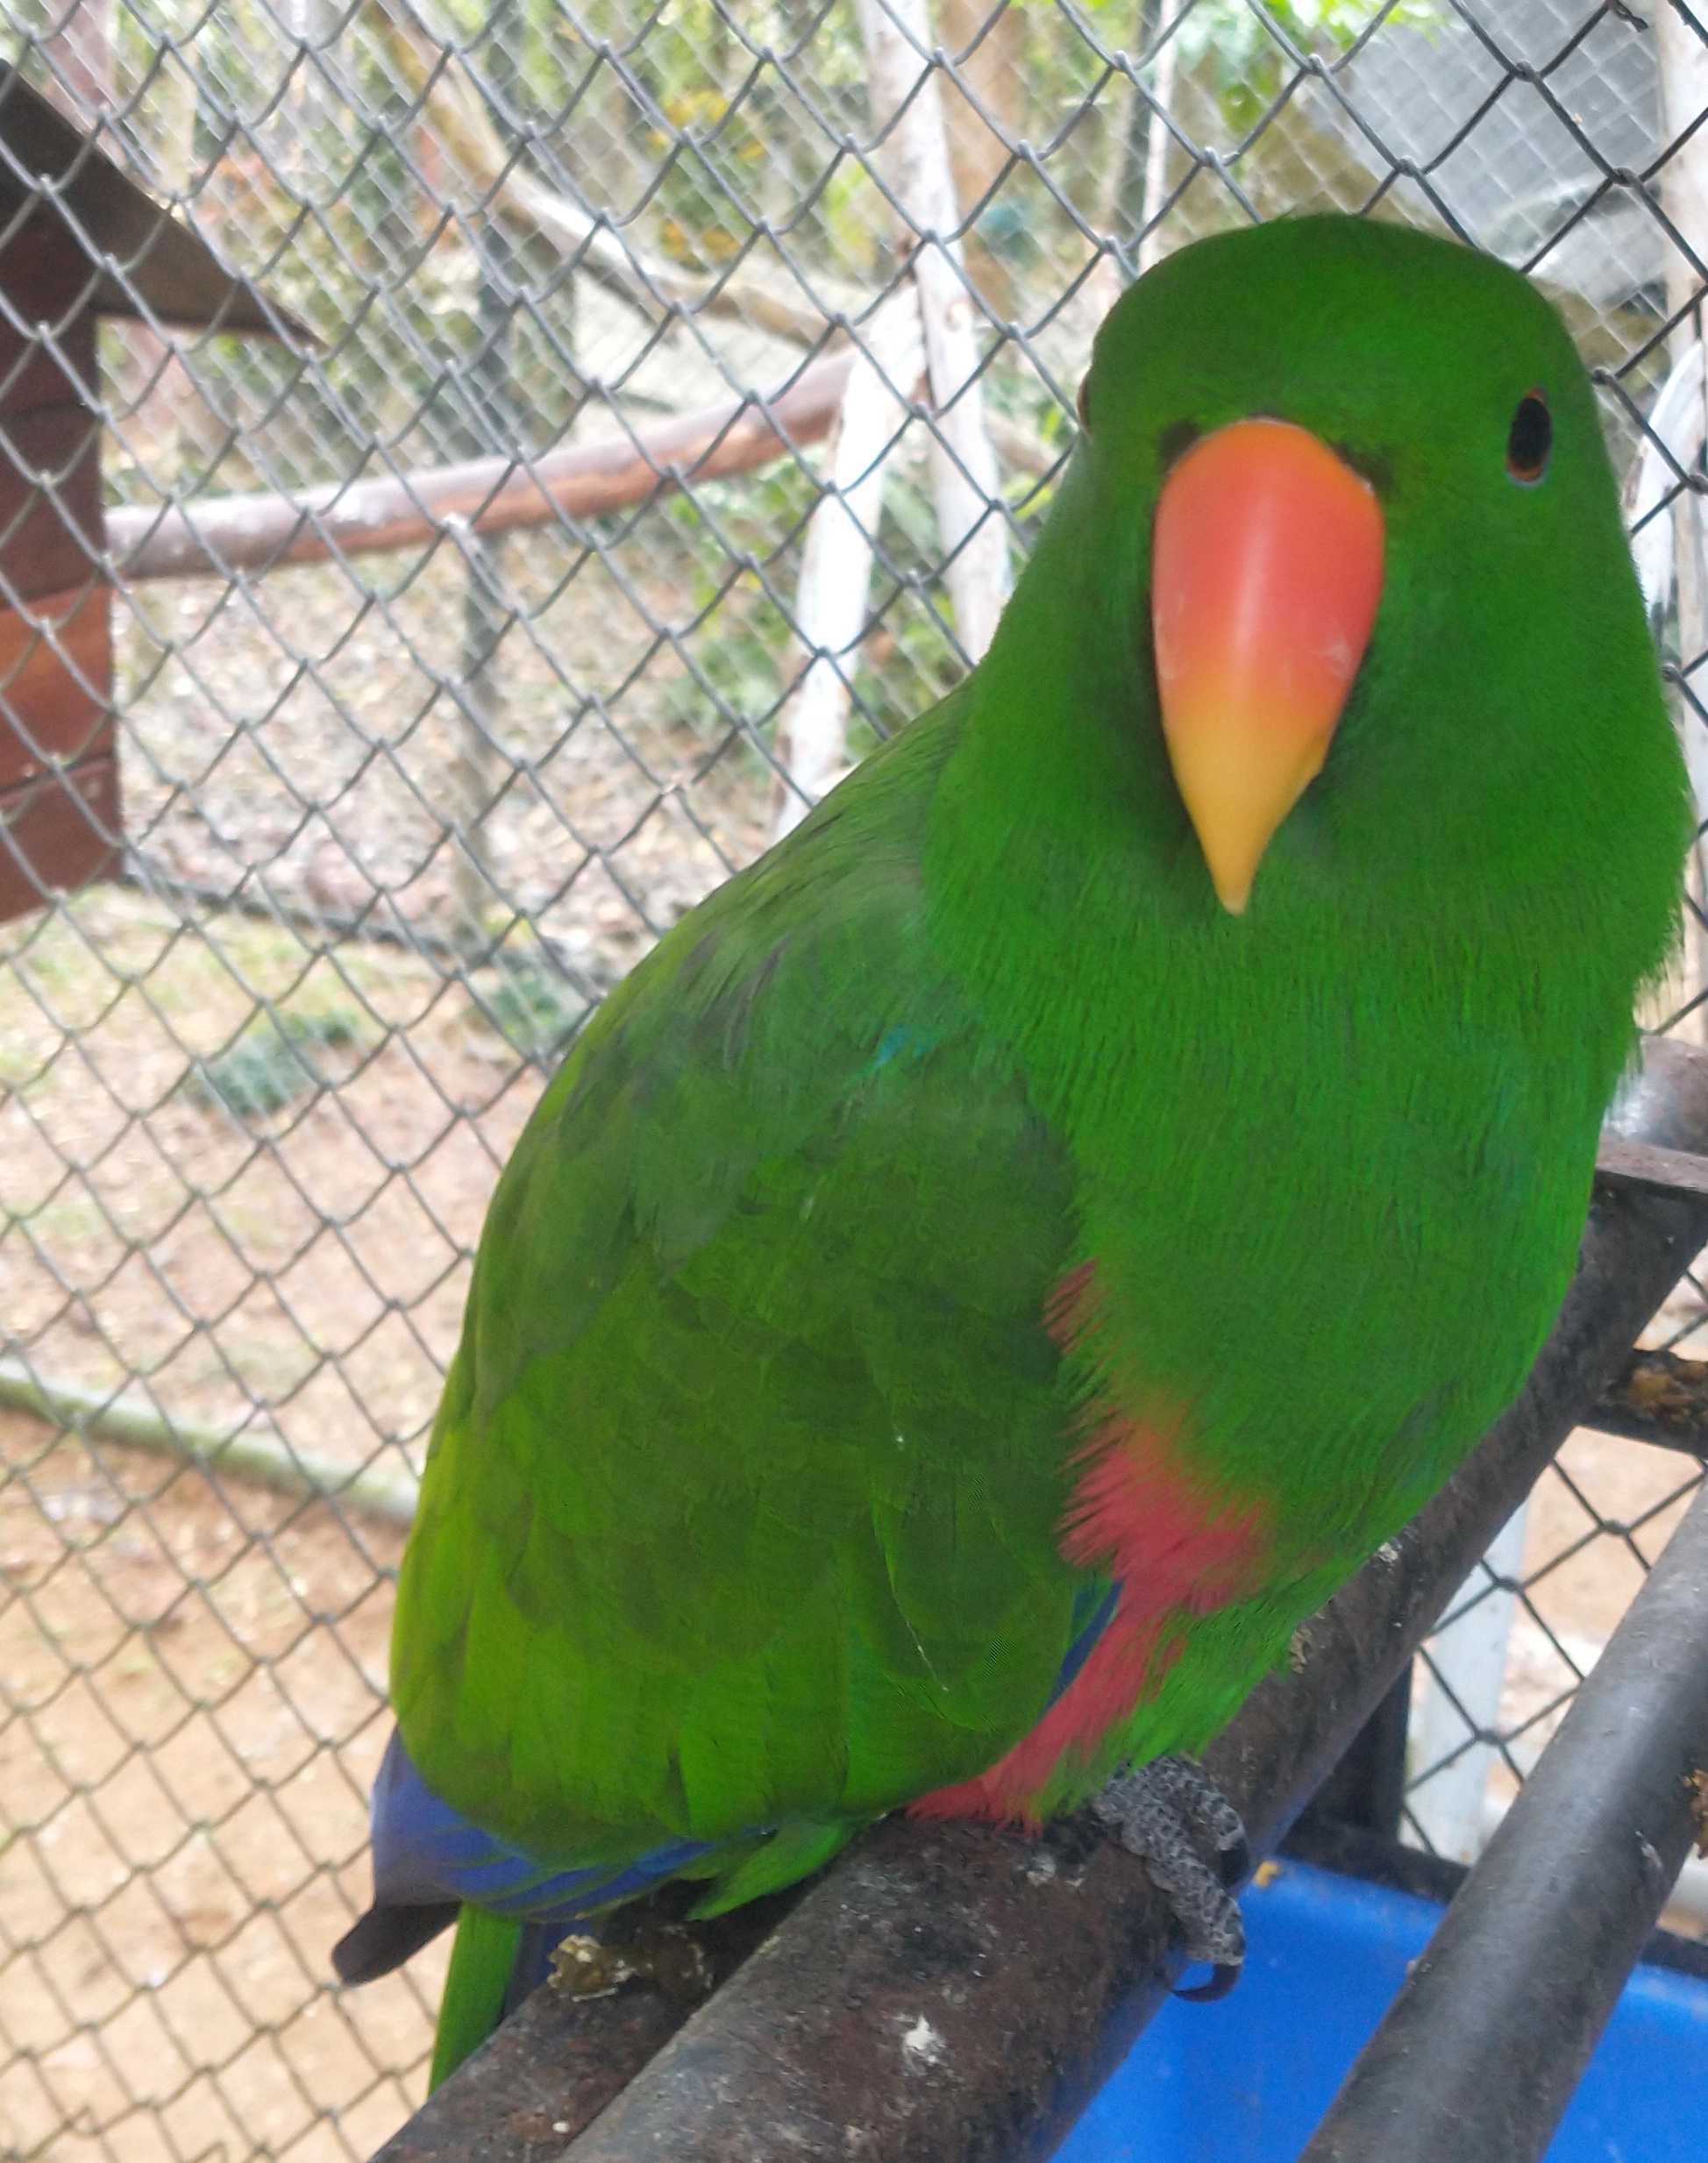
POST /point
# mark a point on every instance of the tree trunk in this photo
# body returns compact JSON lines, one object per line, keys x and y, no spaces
{"x":80,"y":54}
{"x":907,"y":109}
{"x":981,"y":105}
{"x":836,"y":574}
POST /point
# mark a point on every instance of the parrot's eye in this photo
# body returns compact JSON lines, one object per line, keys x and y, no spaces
{"x":1176,"y":439}
{"x":1530,"y":439}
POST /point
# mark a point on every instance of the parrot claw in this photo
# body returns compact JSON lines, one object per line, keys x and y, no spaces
{"x":1172,"y":1816}
{"x":1227,"y":1975}
{"x":1233,"y":1861}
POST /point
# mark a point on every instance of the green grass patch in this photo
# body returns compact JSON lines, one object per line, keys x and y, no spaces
{"x":273,"y":1065}
{"x":534,"y":1010}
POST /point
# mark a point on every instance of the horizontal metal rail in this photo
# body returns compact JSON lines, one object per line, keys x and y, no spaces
{"x":1662,"y":1170}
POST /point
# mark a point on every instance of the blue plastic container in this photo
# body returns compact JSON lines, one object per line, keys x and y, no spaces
{"x":1248,"y":2081}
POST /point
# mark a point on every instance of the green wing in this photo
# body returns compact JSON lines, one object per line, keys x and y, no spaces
{"x":743,"y":1501}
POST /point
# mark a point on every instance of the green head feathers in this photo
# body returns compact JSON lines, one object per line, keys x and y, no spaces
{"x":1508,"y":613}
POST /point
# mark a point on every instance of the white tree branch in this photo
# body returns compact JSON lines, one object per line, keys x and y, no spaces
{"x":907,"y":103}
{"x":836,"y":576}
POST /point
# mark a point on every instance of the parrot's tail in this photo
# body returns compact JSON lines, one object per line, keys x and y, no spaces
{"x":473,"y":2005}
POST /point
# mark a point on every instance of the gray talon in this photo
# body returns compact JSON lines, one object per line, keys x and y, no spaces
{"x":1218,"y":1987}
{"x":1188,"y":1835}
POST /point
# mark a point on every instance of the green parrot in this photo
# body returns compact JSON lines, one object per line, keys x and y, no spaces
{"x":1007,"y":1257}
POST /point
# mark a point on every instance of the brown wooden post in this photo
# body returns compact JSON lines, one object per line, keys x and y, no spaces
{"x":92,"y":243}
{"x":59,"y":785}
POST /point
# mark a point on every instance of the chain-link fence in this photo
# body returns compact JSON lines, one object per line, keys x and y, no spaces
{"x":644,"y":465}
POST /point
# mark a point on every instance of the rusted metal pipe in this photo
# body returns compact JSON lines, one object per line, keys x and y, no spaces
{"x":1660,"y":1398}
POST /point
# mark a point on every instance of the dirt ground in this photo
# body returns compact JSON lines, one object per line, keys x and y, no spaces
{"x":192,"y":1672}
{"x":299,"y":746}
{"x":1596,"y":1520}
{"x":313,"y":730}
{"x":307,"y":1268}
{"x":193,"y":1686}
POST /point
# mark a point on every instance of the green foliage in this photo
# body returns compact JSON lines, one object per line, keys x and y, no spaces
{"x":738,"y":552}
{"x":1233,"y":47}
{"x":736,"y":146}
{"x":706,"y":158}
{"x":741,"y":544}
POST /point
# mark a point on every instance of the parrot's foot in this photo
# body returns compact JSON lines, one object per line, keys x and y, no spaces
{"x":663,"y":1954}
{"x":1188,"y":1835}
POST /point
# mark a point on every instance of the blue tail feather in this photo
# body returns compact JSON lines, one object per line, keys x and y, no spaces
{"x":425,"y":1852}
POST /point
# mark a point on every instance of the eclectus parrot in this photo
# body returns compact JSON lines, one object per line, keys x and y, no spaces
{"x":1007,"y":1257}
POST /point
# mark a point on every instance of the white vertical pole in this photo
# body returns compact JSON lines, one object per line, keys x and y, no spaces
{"x":836,"y":572}
{"x":1157,"y":146}
{"x":1469,"y":1657}
{"x":1684,"y":66}
{"x":906,"y":99}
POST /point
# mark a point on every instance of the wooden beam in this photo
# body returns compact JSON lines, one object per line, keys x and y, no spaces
{"x":55,"y":683}
{"x":59,"y":780}
{"x":224,"y":534}
{"x":50,"y":501}
{"x":45,"y":280}
{"x":58,"y":832}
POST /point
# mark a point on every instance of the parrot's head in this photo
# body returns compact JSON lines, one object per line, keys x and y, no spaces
{"x":1355,"y":524}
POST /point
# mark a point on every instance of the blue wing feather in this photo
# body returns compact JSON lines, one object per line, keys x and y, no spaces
{"x":426,"y":1852}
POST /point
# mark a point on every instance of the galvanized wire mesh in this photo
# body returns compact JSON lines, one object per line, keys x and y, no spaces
{"x":396,"y":816}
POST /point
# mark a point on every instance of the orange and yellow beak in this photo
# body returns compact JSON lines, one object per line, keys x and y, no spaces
{"x":1266,"y":570}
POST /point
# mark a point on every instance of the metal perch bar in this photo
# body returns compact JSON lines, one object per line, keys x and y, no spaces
{"x":1480,"y":2052}
{"x":948,"y":1993}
